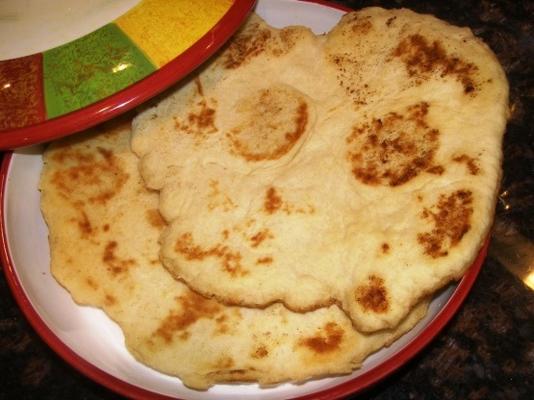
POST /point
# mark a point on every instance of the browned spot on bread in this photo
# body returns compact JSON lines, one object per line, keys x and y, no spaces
{"x":222,"y":325}
{"x":245,"y":46}
{"x":436,"y":170}
{"x":287,"y":39}
{"x":86,"y":229}
{"x":192,"y":308}
{"x":226,"y":362}
{"x":350,"y":78}
{"x":67,"y":155}
{"x":273,"y":121}
{"x":91,"y":283}
{"x":254,"y":40}
{"x":259,"y":352}
{"x":327,"y":340}
{"x":230,"y":261}
{"x":204,"y":120}
{"x":259,"y":237}
{"x":264,"y":260}
{"x":451,"y":219}
{"x":199,"y":122}
{"x":373,"y":295}
{"x":361,"y":26}
{"x":110,"y":300}
{"x":385,"y":248}
{"x":115,"y":265}
{"x":219,"y":199}
{"x":198,"y":85}
{"x":393,"y":149}
{"x":470,"y":163}
{"x":390,"y":20}
{"x":273,"y":201}
{"x":105,"y":228}
{"x":96,"y":178}
{"x":423,"y":59}
{"x":155,"y":219}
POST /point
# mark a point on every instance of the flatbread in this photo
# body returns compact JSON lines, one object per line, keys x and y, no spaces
{"x":103,"y":231}
{"x":358,"y":168}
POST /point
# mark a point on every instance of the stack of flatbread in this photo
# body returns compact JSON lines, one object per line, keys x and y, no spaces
{"x":290,"y":208}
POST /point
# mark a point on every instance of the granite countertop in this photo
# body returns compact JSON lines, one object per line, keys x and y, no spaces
{"x":487,"y":350}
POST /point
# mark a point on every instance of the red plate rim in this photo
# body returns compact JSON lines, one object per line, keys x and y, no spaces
{"x":135,"y":94}
{"x":353,"y":386}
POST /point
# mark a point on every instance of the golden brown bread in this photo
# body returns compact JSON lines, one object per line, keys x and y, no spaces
{"x":104,"y":226}
{"x":357,"y":168}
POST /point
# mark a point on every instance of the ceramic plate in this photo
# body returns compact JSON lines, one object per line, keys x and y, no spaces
{"x":67,"y":67}
{"x":93,"y":344}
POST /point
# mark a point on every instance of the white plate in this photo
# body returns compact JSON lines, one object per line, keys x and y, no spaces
{"x":92,"y":343}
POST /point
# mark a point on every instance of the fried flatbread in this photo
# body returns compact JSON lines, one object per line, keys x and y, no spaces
{"x":103,"y":230}
{"x":357,"y":168}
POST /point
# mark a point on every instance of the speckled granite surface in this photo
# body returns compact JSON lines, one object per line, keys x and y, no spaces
{"x":487,"y":350}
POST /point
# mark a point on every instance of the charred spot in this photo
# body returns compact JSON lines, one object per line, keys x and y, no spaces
{"x":273,"y":201}
{"x":259,"y":352}
{"x":96,"y":178}
{"x":470,"y":163}
{"x":114,"y":264}
{"x":385,"y":248}
{"x":199,"y":122}
{"x":91,"y":283}
{"x":373,"y":295}
{"x":436,"y":170}
{"x":264,"y":260}
{"x":105,"y":227}
{"x":106,"y":154}
{"x":230,"y":261}
{"x":349,"y":78}
{"x":155,"y":219}
{"x":261,"y":236}
{"x":245,"y":46}
{"x":327,"y":340}
{"x":226,"y":362}
{"x":198,"y":85}
{"x":390,"y":20}
{"x":451,"y":217}
{"x":423,"y":59}
{"x":219,"y":199}
{"x":192,"y":307}
{"x":361,"y":26}
{"x":63,"y":156}
{"x":204,"y":119}
{"x":222,"y":325}
{"x":287,"y":40}
{"x":86,"y":229}
{"x":274,"y":120}
{"x":393,"y":149}
{"x":110,"y":300}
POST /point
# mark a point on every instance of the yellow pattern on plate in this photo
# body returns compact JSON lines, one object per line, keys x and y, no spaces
{"x":180,"y":24}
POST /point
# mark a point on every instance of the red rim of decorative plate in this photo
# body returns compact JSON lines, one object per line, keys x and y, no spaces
{"x":353,"y":386}
{"x":135,"y":94}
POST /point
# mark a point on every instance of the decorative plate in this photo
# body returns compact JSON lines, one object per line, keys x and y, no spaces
{"x":70,"y":87}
